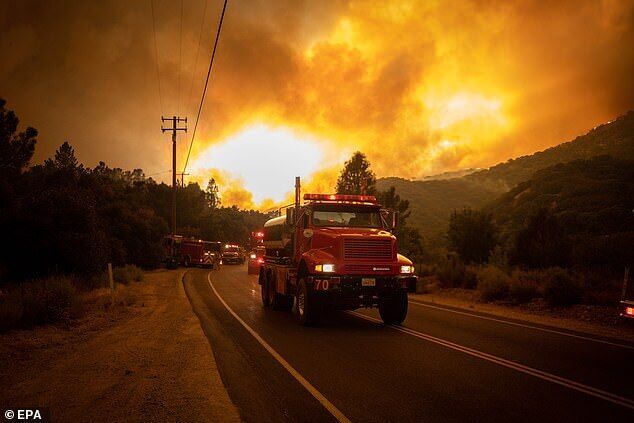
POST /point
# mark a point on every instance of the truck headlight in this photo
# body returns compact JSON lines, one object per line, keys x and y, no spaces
{"x":325,"y":268}
{"x":252,"y":256}
{"x":407,"y":269}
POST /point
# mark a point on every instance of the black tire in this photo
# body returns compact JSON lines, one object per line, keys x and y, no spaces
{"x":265,"y":291}
{"x":393,"y":310}
{"x":308,"y":306}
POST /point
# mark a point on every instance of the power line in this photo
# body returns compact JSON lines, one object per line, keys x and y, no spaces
{"x":200,"y":37}
{"x":156,"y":58}
{"x":158,"y":173}
{"x":202,"y":99}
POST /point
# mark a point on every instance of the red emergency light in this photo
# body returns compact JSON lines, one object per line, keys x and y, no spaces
{"x":340,"y":197}
{"x":629,"y":311}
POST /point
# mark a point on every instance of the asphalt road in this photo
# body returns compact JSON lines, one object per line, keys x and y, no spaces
{"x":441,"y":365}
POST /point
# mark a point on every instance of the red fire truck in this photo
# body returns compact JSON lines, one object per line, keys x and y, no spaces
{"x":181,"y":251}
{"x":335,"y":251}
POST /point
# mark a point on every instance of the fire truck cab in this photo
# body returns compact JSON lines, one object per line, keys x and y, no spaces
{"x":334,"y":251}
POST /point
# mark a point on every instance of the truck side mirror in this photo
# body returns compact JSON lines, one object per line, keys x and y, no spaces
{"x":394,"y":220}
{"x":290,"y":216}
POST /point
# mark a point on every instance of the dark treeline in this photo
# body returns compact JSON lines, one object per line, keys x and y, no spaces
{"x":576,"y":215}
{"x":566,"y":234}
{"x":62,"y":217}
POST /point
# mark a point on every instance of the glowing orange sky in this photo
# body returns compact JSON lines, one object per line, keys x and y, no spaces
{"x":419,"y":86}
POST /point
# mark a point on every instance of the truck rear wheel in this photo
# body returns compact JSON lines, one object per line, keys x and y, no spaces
{"x":308,"y":307}
{"x":265,"y":290}
{"x":393,"y":310}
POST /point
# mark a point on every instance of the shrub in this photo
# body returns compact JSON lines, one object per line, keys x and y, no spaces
{"x":126,"y":274}
{"x":493,"y":283}
{"x":426,"y":284}
{"x":38,"y":302}
{"x":561,"y":288}
{"x":135,"y":272}
{"x":121,"y":275}
{"x":524,"y":286}
{"x":452,"y":273}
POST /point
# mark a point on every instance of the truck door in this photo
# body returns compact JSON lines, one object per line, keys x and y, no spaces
{"x":302,"y":241}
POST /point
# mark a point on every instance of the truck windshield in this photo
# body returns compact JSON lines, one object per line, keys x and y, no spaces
{"x":348,"y":218}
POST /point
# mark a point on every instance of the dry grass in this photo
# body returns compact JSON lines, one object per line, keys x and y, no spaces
{"x":58,"y":300}
{"x":127,"y":274}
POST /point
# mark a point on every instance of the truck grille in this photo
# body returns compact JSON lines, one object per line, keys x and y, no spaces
{"x":367,"y":269}
{"x":367,"y":249}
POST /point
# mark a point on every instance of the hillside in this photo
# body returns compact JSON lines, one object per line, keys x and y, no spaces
{"x":594,"y":197}
{"x":432,"y":201}
{"x":593,"y":201}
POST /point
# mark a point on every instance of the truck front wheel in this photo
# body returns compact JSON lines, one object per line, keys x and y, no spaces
{"x":308,"y":310}
{"x":394,"y":309}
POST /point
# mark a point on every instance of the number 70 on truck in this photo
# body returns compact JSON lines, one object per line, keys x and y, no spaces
{"x":334,"y":251}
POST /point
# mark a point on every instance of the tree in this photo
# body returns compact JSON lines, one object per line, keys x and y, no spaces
{"x":472,"y":235}
{"x":211,"y":194}
{"x":65,"y":159}
{"x":542,"y":242}
{"x":391,"y":200}
{"x":356,"y":176}
{"x":16,"y":149}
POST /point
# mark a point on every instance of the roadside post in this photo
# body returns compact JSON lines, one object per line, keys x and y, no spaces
{"x":110,"y":278}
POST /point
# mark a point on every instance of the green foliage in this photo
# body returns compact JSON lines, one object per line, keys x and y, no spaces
{"x":561,"y":288}
{"x":577,"y":214}
{"x":542,"y":242}
{"x":410,"y":242}
{"x":452,"y":273}
{"x":493,"y":283}
{"x":472,"y":235}
{"x":356,"y":176}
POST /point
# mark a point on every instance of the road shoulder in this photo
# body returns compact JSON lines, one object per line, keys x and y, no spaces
{"x":150,"y":364}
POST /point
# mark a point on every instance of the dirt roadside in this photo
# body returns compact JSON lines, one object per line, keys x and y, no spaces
{"x":590,"y":320}
{"x":149,"y":363}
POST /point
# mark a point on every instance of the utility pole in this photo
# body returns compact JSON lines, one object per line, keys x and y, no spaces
{"x":174,"y":129}
{"x":182,"y":175}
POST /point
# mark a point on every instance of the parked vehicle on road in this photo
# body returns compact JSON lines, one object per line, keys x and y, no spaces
{"x":335,"y":251}
{"x":183,"y":251}
{"x":256,"y":260}
{"x":233,"y":254}
{"x":212,"y":252}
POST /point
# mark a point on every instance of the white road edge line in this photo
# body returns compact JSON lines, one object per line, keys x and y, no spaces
{"x":585,"y":338}
{"x":336,"y":413}
{"x":625,"y":402}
